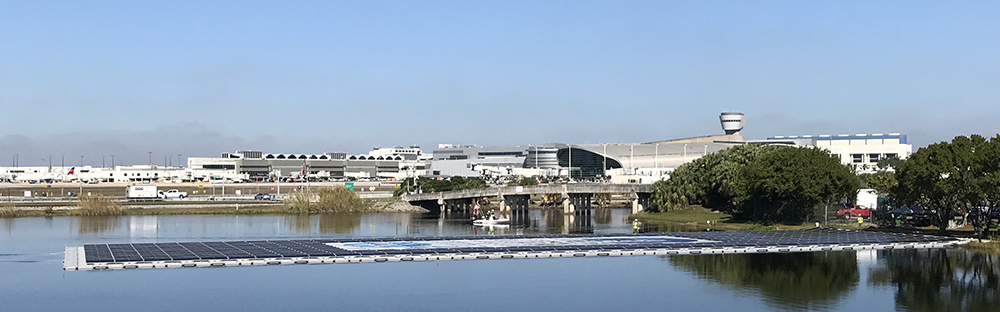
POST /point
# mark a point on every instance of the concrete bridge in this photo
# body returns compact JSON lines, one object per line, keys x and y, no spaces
{"x":576,"y":197}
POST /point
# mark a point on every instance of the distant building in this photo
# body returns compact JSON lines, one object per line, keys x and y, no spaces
{"x":651,"y":160}
{"x":862,"y":151}
{"x":381,"y":163}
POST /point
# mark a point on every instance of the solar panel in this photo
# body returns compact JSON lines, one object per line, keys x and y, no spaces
{"x":452,"y":245}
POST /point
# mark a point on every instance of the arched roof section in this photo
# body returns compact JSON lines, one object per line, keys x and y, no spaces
{"x":587,"y":163}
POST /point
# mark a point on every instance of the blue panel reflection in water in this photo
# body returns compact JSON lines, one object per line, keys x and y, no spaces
{"x":32,"y":279}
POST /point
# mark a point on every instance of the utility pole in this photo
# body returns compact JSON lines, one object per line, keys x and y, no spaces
{"x":63,"y":168}
{"x":112,"y":161}
{"x":151,"y":159}
{"x":179,"y":163}
{"x":81,"y":160}
{"x":631,"y":155}
{"x":102,"y":161}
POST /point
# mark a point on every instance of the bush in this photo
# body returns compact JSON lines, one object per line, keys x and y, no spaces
{"x":602,"y":199}
{"x":299,"y":201}
{"x":327,"y":199}
{"x":525,"y":181}
{"x":7,"y":210}
{"x":100,"y":205}
{"x":339,"y":199}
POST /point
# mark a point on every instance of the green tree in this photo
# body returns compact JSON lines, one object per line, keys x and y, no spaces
{"x":759,"y":183}
{"x":786,"y":185}
{"x":711,"y":181}
{"x":525,"y":181}
{"x":882,"y":181}
{"x":947,"y":177}
{"x":889,"y":163}
{"x":459,"y":183}
{"x":428,"y":185}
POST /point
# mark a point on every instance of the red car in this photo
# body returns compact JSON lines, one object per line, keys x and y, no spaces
{"x":854,"y":211}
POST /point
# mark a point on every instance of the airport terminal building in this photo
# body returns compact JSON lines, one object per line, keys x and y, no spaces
{"x":621,"y":162}
{"x":381,"y":163}
{"x":649,"y":161}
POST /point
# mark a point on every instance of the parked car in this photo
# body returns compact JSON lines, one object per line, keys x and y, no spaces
{"x":174,"y":194}
{"x":914,"y":216}
{"x":263,"y":196}
{"x":849,"y":211}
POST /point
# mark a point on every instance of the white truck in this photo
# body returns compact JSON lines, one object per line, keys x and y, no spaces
{"x":142,"y":192}
{"x":173,"y":194}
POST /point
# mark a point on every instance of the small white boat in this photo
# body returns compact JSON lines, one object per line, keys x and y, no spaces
{"x":491,"y":221}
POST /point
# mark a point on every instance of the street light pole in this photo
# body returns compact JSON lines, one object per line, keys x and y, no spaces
{"x":150,"y":159}
{"x":179,"y":163}
{"x":81,"y":160}
{"x":570,"y":171}
{"x":112,"y":161}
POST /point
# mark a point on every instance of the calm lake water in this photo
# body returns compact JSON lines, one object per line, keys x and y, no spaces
{"x":31,"y":276}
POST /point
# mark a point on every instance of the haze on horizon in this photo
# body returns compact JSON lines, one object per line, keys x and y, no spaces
{"x":198,"y":78}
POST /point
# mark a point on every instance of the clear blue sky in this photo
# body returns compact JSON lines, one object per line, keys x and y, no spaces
{"x":96,"y":78}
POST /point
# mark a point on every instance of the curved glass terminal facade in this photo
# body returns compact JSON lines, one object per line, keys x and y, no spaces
{"x":586,"y":164}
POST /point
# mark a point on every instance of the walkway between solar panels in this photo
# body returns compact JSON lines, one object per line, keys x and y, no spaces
{"x":393,"y":249}
{"x":577,"y":197}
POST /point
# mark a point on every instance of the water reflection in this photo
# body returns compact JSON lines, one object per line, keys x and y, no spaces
{"x":940,"y":279}
{"x":8,"y":223}
{"x":301,"y":224}
{"x":602,"y":216}
{"x":789,"y":281}
{"x":98,"y":224}
{"x":339,"y":223}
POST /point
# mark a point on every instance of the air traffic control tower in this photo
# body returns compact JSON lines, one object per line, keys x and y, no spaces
{"x":732,"y":122}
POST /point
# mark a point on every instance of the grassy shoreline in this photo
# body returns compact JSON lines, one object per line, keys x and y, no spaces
{"x":704,"y":219}
{"x":698,"y":218}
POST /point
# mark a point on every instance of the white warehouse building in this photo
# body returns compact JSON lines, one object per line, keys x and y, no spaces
{"x":863,"y":151}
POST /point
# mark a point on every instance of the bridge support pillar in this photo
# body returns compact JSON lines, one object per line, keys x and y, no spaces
{"x":580,"y":203}
{"x":640,"y":201}
{"x":519,"y":208}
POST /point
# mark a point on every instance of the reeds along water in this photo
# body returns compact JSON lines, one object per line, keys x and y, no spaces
{"x":7,"y":210}
{"x":327,"y":199}
{"x":100,"y":205}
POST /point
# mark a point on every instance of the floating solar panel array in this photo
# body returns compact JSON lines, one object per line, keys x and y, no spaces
{"x":390,"y":249}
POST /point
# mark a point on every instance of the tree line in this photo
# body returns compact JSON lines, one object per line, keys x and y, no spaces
{"x":760,"y":183}
{"x":770,"y":183}
{"x":430,"y":185}
{"x":961,"y":177}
